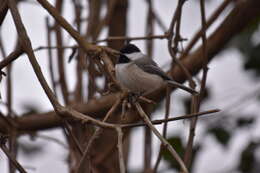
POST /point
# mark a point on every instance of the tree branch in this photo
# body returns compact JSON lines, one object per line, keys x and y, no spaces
{"x":239,"y":18}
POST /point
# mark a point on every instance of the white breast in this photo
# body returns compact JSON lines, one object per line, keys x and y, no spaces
{"x":136,"y":80}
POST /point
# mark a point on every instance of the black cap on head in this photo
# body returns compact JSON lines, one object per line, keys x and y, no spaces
{"x":123,"y":59}
{"x":129,"y":48}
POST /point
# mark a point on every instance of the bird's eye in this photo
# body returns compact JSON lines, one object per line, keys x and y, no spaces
{"x":123,"y":59}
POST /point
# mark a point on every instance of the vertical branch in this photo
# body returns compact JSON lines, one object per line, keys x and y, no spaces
{"x":94,"y":9}
{"x":147,"y":149}
{"x":2,"y":49}
{"x":97,"y":132}
{"x":173,"y":50}
{"x":78,"y":92}
{"x":167,"y":113}
{"x":117,"y":26}
{"x":9,"y":80}
{"x":111,"y":9}
{"x":196,"y":99}
{"x":12,"y":139}
{"x":12,"y":148}
{"x":176,"y":20}
{"x":150,"y":28}
{"x":166,"y":144}
{"x":50,"y":56}
{"x":120,"y":150}
{"x":210,"y":21}
{"x":149,"y":47}
{"x":94,"y":28}
{"x":188,"y":150}
{"x":60,"y":55}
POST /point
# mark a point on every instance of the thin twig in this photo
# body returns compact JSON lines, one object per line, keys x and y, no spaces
{"x":50,"y":57}
{"x":116,"y":38}
{"x":165,"y":125}
{"x":60,"y":55}
{"x":162,"y":139}
{"x":94,"y":8}
{"x":176,"y":18}
{"x":120,"y":150}
{"x":158,"y":122}
{"x":149,"y":49}
{"x":210,"y":21}
{"x":106,"y":20}
{"x":97,"y":132}
{"x":87,"y":47}
{"x":11,"y":57}
{"x":27,"y":47}
{"x":196,"y":99}
{"x":72,"y":137}
{"x":3,"y":11}
{"x":10,"y":156}
{"x":78,"y":91}
{"x":62,"y":111}
{"x":188,"y":150}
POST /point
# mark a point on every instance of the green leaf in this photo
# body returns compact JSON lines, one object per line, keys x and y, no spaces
{"x":247,"y":158}
{"x":221,"y":134}
{"x":243,"y":122}
{"x":177,"y":144}
{"x":253,"y":61}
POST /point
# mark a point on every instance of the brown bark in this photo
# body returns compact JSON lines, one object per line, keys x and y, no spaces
{"x":240,"y":18}
{"x":3,"y":10}
{"x":118,"y":26}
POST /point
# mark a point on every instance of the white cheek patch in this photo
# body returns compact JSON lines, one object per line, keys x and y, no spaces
{"x":134,"y":56}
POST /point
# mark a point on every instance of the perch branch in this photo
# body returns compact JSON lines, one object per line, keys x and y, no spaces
{"x":162,"y":139}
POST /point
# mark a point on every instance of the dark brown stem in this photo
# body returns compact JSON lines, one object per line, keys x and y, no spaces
{"x":173,"y":50}
{"x":210,"y":21}
{"x":26,"y":46}
{"x":60,"y":55}
{"x":97,"y":132}
{"x":196,"y":99}
{"x":149,"y":47}
{"x":157,"y":122}
{"x":161,"y":138}
{"x":50,"y":56}
{"x":165,"y":125}
{"x":120,"y":150}
{"x":3,"y":10}
{"x":10,"y":156}
{"x":11,"y":57}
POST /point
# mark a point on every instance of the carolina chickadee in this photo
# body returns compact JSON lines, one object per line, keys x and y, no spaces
{"x":139,"y":73}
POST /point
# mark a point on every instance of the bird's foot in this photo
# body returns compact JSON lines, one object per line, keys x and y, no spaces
{"x":133,"y":97}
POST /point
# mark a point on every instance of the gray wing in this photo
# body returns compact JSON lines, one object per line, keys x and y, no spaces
{"x":148,"y":65}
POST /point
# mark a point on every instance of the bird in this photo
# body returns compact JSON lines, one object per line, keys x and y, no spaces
{"x":139,"y":74}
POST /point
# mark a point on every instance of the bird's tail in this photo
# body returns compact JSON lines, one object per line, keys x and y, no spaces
{"x":183,"y":87}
